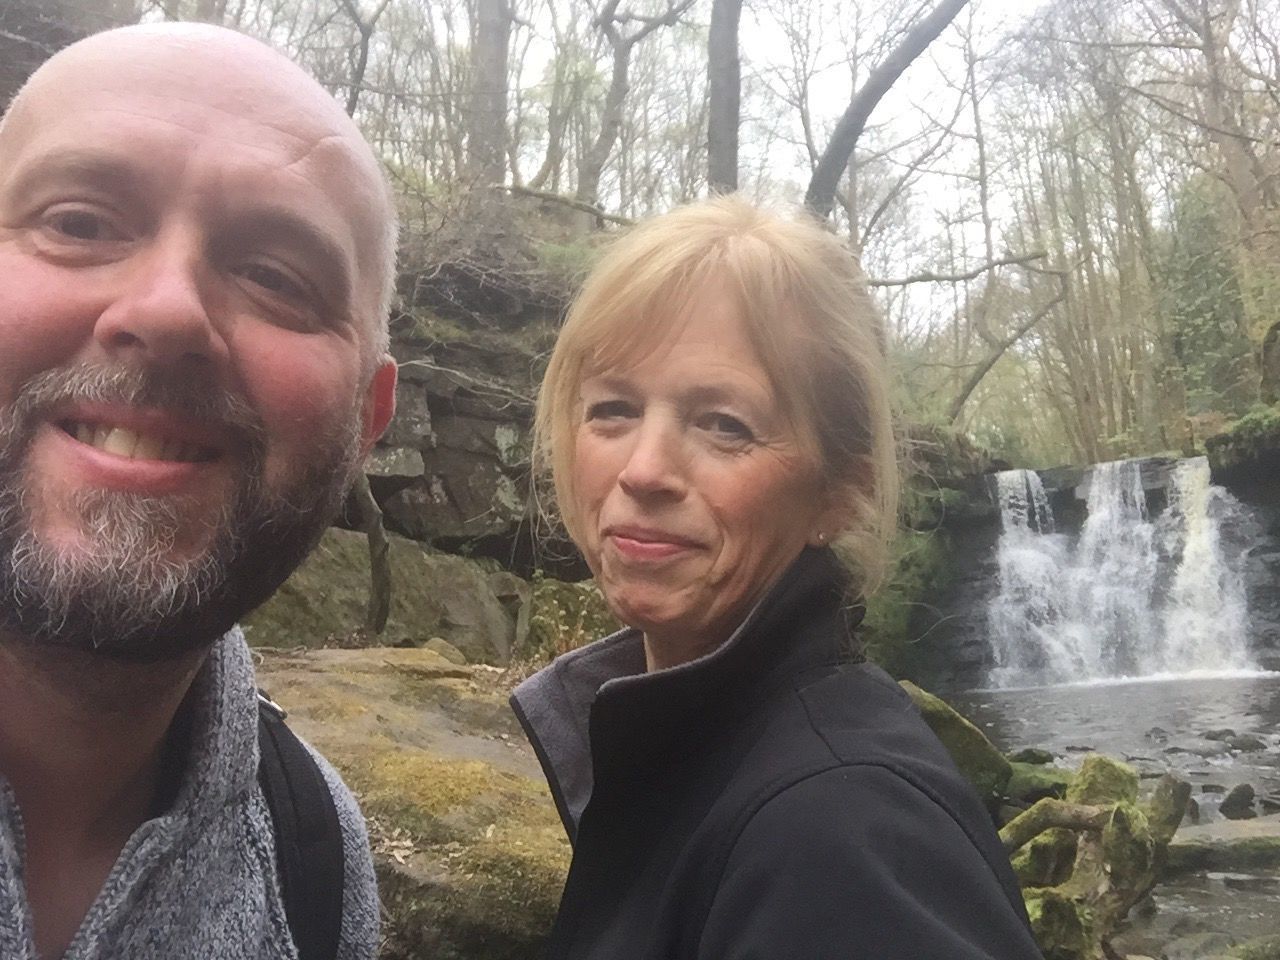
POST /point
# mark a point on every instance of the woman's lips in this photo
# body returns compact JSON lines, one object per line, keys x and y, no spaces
{"x":651,"y":545}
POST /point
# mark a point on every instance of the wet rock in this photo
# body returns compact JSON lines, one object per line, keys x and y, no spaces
{"x":1158,"y":734}
{"x":1270,"y":803}
{"x":1078,"y":748}
{"x":1225,"y":733}
{"x":1212,"y":788}
{"x":1198,"y":946}
{"x":1033,"y":755}
{"x":1193,"y":811}
{"x":1227,"y":845}
{"x":1246,"y":744}
{"x":1031,"y":782}
{"x":981,"y":763}
{"x":1259,"y":948}
{"x":1238,"y":803}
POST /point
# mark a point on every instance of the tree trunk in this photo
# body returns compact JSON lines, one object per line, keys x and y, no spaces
{"x":821,"y":194}
{"x":487,"y":140}
{"x":724,"y":81}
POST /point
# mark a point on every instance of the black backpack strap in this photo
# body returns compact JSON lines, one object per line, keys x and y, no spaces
{"x":308,"y":836}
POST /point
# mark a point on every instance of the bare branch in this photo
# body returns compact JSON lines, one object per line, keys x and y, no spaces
{"x":929,"y":276}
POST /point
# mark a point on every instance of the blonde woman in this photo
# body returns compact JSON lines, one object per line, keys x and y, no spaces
{"x":735,"y":782}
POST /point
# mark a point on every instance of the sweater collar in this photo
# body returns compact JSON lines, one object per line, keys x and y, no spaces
{"x":595,"y":714}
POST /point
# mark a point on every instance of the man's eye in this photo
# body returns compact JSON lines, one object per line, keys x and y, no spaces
{"x":611,"y":410}
{"x":726,"y":427}
{"x":86,"y":226}
{"x":273,"y":280}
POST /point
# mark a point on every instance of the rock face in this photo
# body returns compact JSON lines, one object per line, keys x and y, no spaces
{"x":452,"y":468}
{"x":480,"y":610}
{"x":470,"y":853}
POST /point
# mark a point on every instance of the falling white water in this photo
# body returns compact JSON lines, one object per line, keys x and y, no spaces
{"x":1131,"y":596}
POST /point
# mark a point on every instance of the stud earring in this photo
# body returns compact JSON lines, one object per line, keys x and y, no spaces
{"x":822,"y":537}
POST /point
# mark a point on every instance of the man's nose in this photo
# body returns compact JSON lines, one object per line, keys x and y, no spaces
{"x":161,"y":315}
{"x":655,"y":464}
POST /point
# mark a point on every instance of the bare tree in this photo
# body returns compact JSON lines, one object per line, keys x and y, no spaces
{"x":724,"y":76}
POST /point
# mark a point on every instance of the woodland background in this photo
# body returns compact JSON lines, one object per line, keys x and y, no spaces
{"x":1069,"y":212}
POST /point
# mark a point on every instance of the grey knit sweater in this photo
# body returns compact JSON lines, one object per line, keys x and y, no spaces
{"x":200,"y":881}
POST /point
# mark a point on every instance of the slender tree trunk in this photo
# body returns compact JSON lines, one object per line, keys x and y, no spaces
{"x":487,"y":140}
{"x":724,"y":81}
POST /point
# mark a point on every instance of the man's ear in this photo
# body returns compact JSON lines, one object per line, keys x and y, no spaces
{"x":379,"y":404}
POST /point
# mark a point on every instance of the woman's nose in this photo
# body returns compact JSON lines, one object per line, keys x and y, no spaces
{"x":655,"y":465}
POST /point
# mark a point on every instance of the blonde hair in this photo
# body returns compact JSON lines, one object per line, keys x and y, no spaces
{"x":804,"y":301}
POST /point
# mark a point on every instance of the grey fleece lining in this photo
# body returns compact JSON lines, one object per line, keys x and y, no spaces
{"x":554,"y":705}
{"x":200,"y":880}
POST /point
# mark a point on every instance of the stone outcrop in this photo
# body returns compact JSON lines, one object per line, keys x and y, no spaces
{"x":470,"y":853}
{"x":476,"y":607}
{"x":452,"y":469}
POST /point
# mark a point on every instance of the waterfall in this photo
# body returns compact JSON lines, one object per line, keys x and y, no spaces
{"x":1130,"y":596}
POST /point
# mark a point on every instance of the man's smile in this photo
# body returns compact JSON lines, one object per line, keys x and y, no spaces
{"x":123,"y":442}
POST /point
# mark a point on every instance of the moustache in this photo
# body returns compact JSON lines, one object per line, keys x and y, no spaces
{"x":39,"y":398}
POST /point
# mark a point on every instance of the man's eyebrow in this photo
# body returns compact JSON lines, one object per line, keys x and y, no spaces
{"x":103,"y":171}
{"x":296,"y":232}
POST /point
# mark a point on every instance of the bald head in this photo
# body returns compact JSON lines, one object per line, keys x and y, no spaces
{"x":221,"y":85}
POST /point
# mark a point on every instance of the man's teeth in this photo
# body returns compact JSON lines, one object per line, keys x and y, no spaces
{"x":126,"y":443}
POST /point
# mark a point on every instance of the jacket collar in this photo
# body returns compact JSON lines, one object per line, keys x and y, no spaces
{"x":596,"y":715}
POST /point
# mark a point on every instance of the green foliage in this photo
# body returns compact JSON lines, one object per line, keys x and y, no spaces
{"x":921,"y":561}
{"x":565,"y":616}
{"x":1253,"y":437}
{"x":566,"y":262}
{"x":1200,"y":295}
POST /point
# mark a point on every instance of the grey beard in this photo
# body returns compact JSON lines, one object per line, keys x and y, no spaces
{"x":123,"y":594}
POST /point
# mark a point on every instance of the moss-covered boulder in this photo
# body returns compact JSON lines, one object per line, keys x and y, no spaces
{"x":470,"y":853}
{"x":1253,"y":441}
{"x":1103,"y":780}
{"x":564,"y":616}
{"x":981,"y":763}
{"x":1032,"y":781}
{"x":479,"y":609}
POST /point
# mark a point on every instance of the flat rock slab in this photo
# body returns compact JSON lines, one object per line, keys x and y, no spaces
{"x":470,"y":853}
{"x":1227,"y":845}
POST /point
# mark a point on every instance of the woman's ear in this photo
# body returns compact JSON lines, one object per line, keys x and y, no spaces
{"x":838,"y":513}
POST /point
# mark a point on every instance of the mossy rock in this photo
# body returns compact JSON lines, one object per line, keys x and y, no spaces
{"x":981,"y":763}
{"x":479,"y":611}
{"x":470,"y":853}
{"x":1259,"y":948}
{"x":1254,"y":438}
{"x":922,"y":563}
{"x":1244,"y":853}
{"x":1060,"y":927}
{"x":1102,"y":780}
{"x":1046,"y":860}
{"x":565,"y":616}
{"x":1031,"y":782}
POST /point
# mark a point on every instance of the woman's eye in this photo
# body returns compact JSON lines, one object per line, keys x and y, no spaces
{"x":610,"y":410}
{"x":726,"y":426}
{"x":85,"y":226}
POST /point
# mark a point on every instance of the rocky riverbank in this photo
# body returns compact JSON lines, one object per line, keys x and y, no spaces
{"x":471,"y":854}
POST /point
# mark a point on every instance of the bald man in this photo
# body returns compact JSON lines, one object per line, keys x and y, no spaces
{"x":196,"y":255}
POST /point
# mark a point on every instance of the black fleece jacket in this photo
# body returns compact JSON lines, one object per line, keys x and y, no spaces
{"x":771,"y":800}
